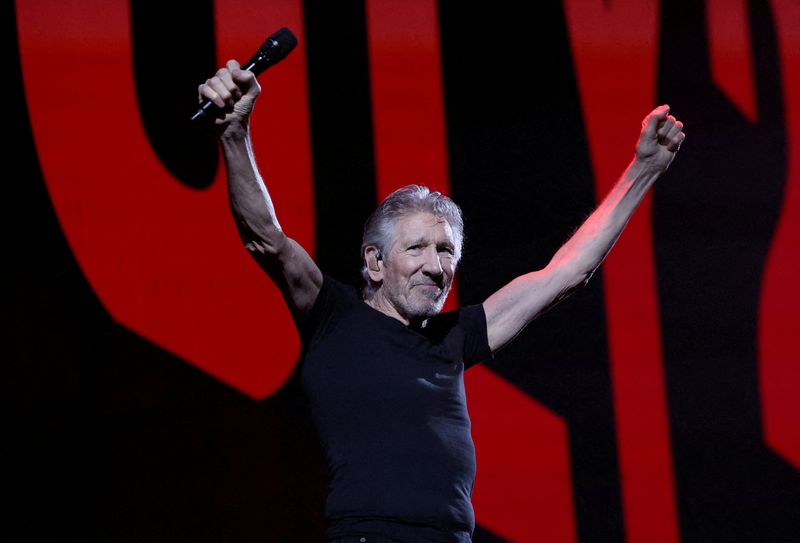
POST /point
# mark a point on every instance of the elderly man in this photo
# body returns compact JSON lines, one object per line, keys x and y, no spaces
{"x":383,"y":369}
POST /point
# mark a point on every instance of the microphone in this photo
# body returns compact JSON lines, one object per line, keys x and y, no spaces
{"x":276,"y":47}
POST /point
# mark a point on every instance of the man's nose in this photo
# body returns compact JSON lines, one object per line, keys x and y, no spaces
{"x":433,"y":263}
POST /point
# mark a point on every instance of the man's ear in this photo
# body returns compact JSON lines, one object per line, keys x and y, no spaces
{"x":374,"y":260}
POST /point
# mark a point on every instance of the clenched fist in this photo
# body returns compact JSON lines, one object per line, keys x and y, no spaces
{"x":234,"y":92}
{"x":660,"y":139}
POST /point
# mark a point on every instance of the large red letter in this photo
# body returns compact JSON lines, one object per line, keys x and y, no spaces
{"x":778,"y":349}
{"x":165,"y":260}
{"x":614,"y":45}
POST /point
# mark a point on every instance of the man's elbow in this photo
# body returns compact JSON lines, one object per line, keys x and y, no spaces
{"x":270,"y":244}
{"x":571,"y":278}
{"x":583,"y":279}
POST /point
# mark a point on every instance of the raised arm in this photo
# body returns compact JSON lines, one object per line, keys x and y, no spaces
{"x":515,"y":305}
{"x":283,"y":259}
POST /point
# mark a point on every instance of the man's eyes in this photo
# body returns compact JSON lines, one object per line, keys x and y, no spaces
{"x":445,"y":249}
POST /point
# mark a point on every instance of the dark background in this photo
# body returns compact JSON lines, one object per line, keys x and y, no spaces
{"x":112,"y":439}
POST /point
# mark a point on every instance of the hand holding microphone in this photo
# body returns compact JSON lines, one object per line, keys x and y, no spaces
{"x":234,"y":88}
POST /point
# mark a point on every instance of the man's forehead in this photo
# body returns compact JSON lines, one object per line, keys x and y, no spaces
{"x":423,"y":225}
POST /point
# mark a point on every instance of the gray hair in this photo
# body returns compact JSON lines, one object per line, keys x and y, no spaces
{"x":379,"y":229}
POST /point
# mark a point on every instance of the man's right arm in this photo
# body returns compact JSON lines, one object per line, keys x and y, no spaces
{"x":283,"y":259}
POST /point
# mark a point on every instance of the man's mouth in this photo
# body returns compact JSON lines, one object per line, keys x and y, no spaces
{"x":428,"y":285}
{"x":432,"y":291}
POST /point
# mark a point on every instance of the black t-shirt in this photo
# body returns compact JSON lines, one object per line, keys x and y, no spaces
{"x":390,"y":408}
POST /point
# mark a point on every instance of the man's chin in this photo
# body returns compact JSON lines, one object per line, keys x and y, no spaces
{"x":427,"y":305}
{"x":433,"y":307}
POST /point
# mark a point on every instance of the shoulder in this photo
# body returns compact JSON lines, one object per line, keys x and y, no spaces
{"x":464,"y":331}
{"x":460,"y":323}
{"x":333,"y":298}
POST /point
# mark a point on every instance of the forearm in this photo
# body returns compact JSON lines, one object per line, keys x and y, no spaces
{"x":588,"y":247}
{"x":250,"y":202}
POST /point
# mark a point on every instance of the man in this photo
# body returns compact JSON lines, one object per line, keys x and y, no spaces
{"x":382,"y":368}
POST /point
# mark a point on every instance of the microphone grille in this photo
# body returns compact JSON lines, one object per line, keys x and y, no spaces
{"x":282,"y":42}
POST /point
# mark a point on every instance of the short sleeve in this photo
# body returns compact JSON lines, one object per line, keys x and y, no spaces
{"x":472,"y":320}
{"x":333,"y":296}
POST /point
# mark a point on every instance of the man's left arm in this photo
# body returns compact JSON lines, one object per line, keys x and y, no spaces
{"x":515,"y":305}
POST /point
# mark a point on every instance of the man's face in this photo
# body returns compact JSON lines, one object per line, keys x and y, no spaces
{"x":418,"y":271}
